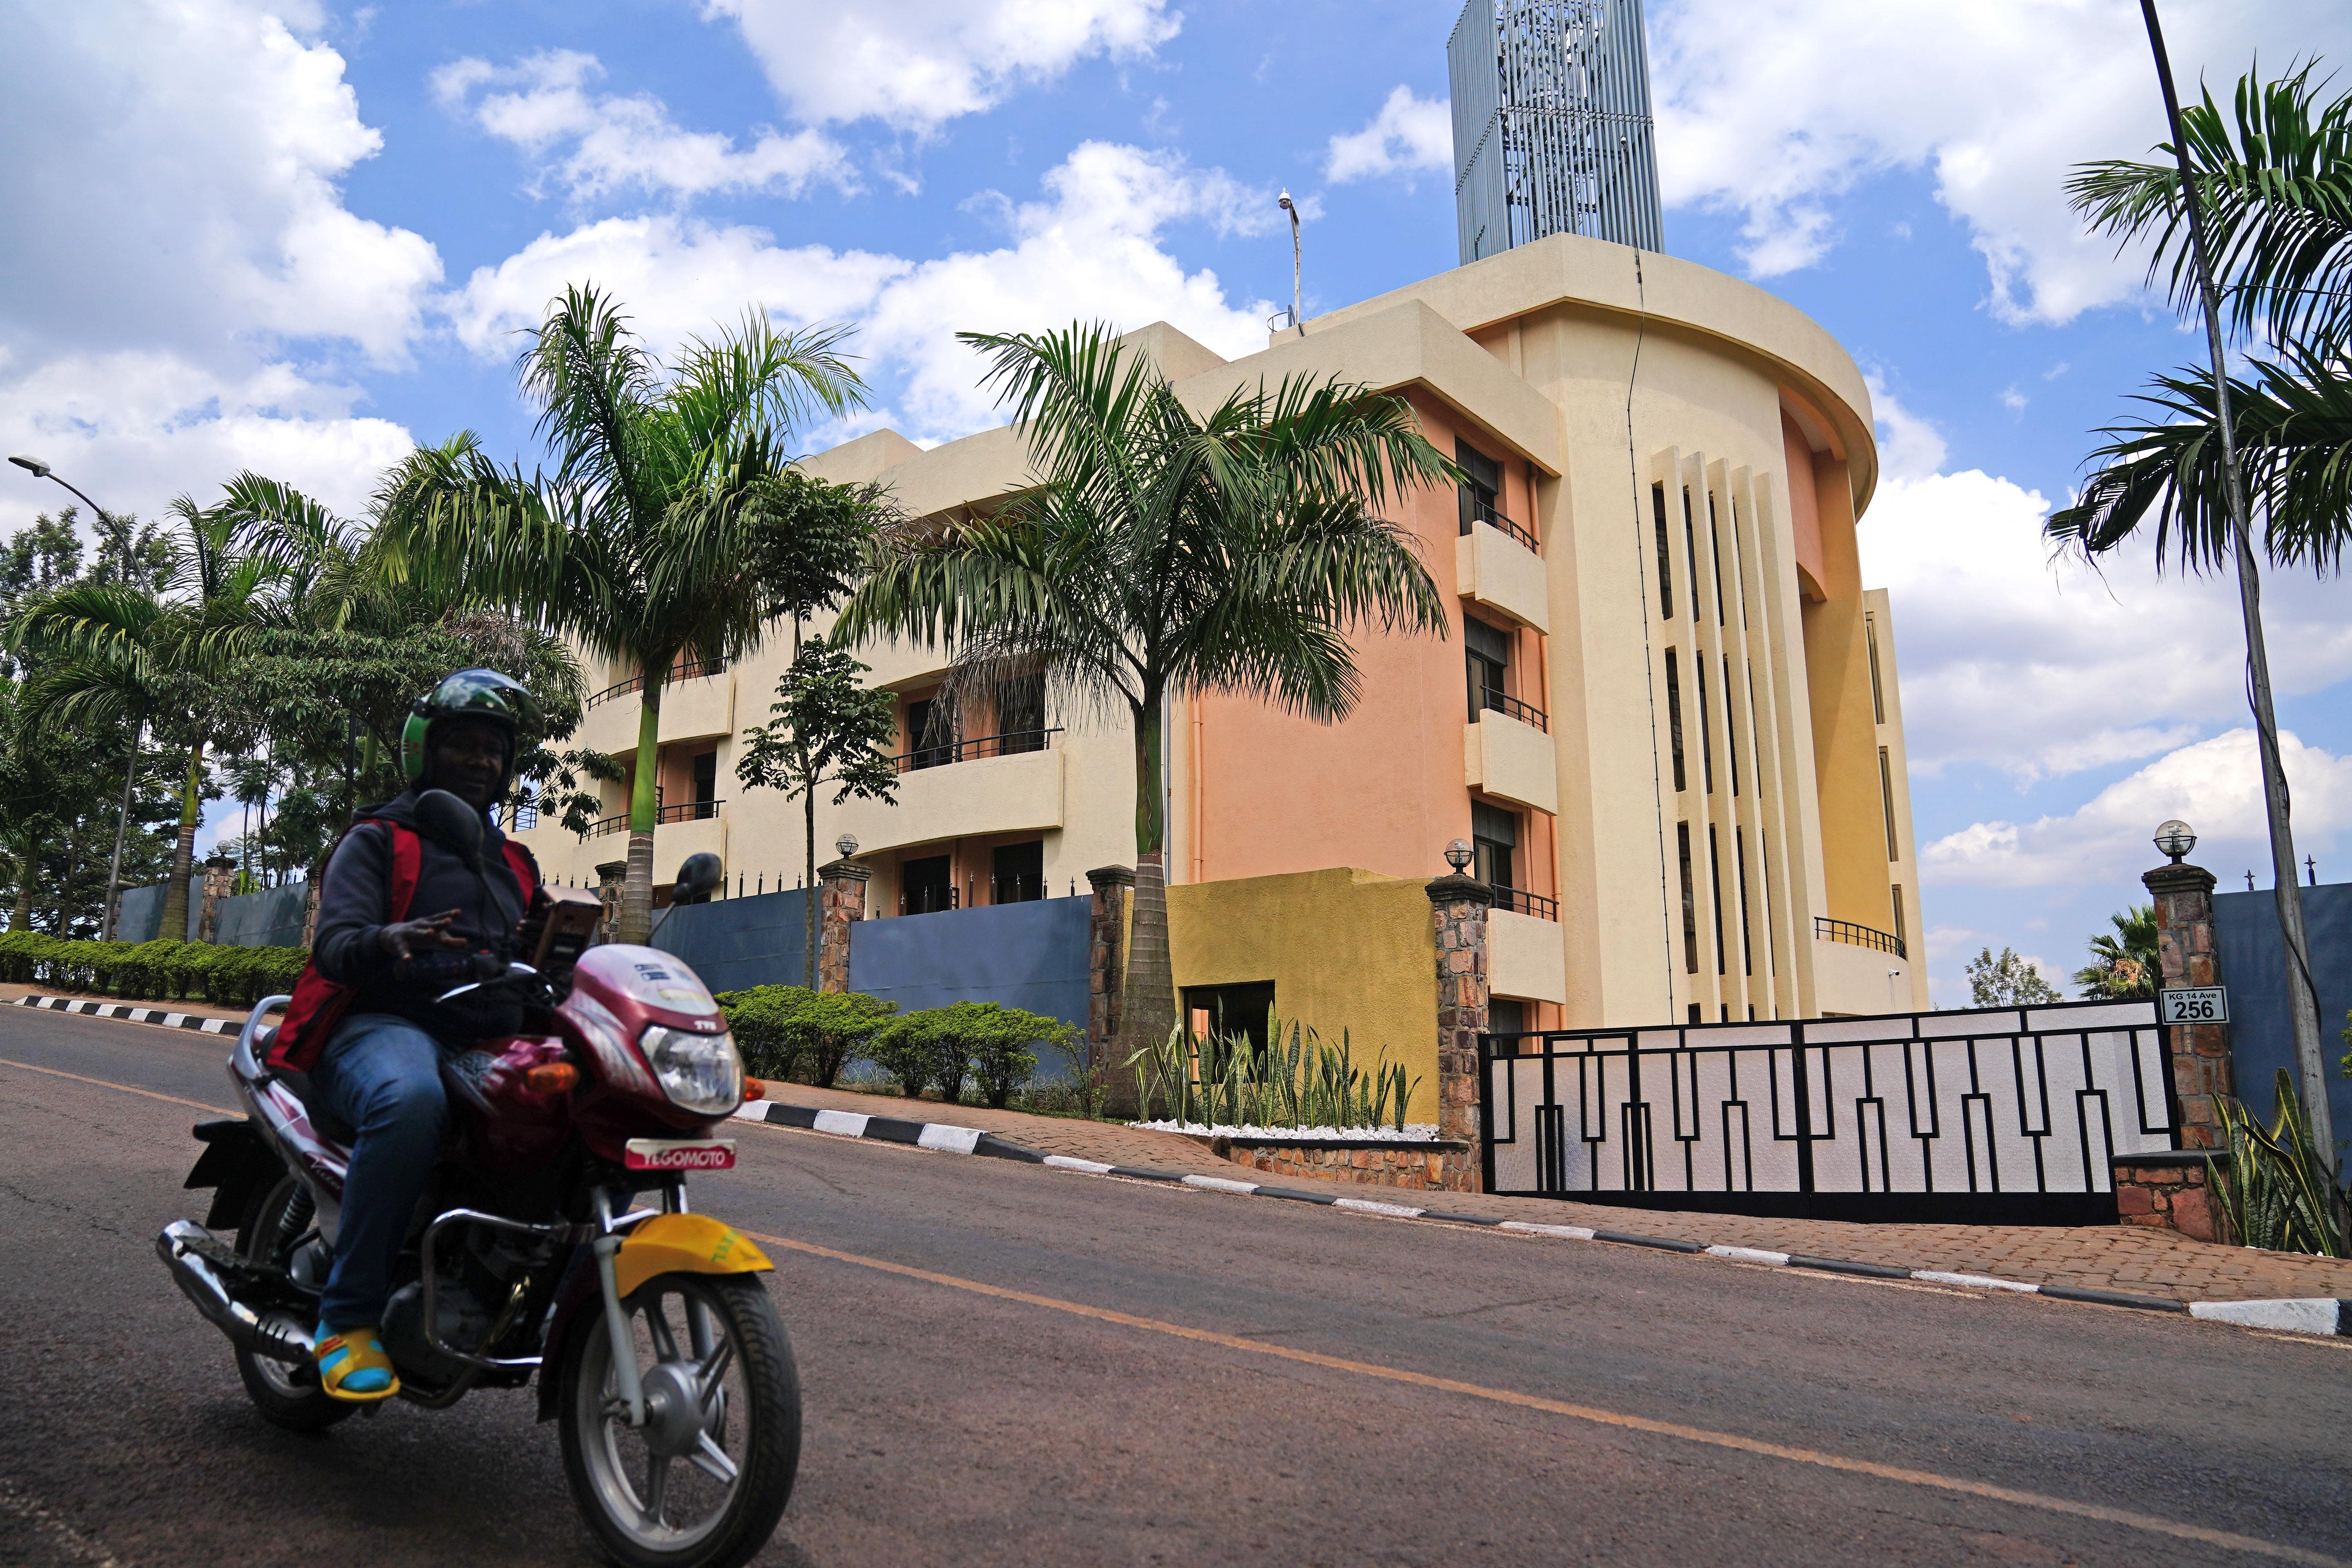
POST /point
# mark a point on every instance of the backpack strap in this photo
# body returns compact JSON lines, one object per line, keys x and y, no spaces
{"x":318,"y":1004}
{"x":407,"y":858}
{"x":525,"y":869}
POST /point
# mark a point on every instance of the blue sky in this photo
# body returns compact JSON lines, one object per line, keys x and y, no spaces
{"x":298,"y":238}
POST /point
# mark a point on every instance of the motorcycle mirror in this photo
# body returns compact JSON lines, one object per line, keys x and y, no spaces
{"x":450,"y":823}
{"x":698,"y":878}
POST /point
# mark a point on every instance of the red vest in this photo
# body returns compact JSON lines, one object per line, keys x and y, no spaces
{"x":319,"y":1002}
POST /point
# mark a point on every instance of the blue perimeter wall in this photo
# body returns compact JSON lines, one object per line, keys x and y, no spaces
{"x":2254,"y":969}
{"x":1032,"y":956}
{"x":737,"y":944}
{"x":272,"y":918}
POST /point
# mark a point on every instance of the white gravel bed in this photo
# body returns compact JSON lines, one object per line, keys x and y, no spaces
{"x":1413,"y":1132}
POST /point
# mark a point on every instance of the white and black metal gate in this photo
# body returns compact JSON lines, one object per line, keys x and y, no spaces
{"x":2002,"y":1115}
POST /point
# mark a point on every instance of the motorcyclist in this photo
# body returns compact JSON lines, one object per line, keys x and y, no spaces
{"x":401,"y":917}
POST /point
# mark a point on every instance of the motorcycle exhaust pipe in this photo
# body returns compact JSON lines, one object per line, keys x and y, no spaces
{"x":182,"y":1247}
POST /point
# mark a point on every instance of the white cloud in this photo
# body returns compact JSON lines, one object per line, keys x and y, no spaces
{"x":1771,"y":108}
{"x":599,"y":143}
{"x":2215,"y":785}
{"x":2044,"y":667}
{"x":183,"y":272}
{"x":1909,"y":448}
{"x":1090,"y":249}
{"x":1409,"y":136}
{"x":916,"y":64}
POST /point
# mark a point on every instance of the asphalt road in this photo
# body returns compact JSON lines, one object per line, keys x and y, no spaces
{"x":1007,"y":1364}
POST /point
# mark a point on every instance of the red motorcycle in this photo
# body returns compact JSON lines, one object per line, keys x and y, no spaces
{"x":657,"y":1350}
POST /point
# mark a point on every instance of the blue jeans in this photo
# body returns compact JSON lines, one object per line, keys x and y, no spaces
{"x":382,"y":1074}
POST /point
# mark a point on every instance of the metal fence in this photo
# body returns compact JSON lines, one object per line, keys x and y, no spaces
{"x":2002,"y":1115}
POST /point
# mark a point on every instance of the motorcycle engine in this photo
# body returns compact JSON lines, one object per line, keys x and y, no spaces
{"x":464,"y":1321}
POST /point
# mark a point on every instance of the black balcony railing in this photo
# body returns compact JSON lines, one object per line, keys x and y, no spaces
{"x":950,"y":753}
{"x":685,"y":811}
{"x":1827,"y":929}
{"x":522,"y":818}
{"x":1526,"y":713}
{"x":1480,"y":510}
{"x":1523,"y":902}
{"x":693,"y":671}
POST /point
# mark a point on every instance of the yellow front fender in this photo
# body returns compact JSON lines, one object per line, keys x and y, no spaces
{"x":684,"y":1244}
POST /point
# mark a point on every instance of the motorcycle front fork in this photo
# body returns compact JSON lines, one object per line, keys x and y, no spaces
{"x":607,"y":1245}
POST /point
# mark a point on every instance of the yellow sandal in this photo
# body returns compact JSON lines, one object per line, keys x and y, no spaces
{"x":352,"y":1366}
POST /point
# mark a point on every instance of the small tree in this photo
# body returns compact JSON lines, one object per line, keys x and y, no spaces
{"x":826,"y":730}
{"x":2008,"y":981}
{"x":784,"y":1029}
{"x":2125,"y":966}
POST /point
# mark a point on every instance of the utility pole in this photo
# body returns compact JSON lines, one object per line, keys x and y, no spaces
{"x":2303,"y":997}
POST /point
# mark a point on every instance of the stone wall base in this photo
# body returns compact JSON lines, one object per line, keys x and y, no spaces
{"x":2171,"y":1197}
{"x":1427,"y":1168}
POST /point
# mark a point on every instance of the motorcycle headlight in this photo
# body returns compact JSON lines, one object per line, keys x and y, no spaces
{"x":698,"y":1072}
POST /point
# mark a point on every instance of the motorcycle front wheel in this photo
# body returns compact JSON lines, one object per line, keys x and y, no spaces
{"x":703,"y":1482}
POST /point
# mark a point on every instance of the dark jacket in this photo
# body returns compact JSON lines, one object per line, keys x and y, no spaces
{"x":354,"y":905}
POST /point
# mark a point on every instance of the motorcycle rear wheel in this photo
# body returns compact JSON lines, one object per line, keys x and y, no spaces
{"x":704,"y":1481}
{"x":285,"y":1394}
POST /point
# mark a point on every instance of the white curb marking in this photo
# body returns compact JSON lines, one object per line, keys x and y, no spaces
{"x":751,"y":1110}
{"x":1065,"y":1163}
{"x":842,"y":1123}
{"x":1977,"y":1281}
{"x":1749,"y":1255}
{"x":1221,"y":1184}
{"x":950,"y":1139}
{"x":2304,"y":1315}
{"x":1572,"y":1232}
{"x":1368,"y":1207}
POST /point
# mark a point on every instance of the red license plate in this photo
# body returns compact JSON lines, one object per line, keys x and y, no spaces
{"x":680,"y":1154}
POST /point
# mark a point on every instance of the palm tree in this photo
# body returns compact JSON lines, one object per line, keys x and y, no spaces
{"x":2125,"y":964}
{"x":1156,"y":553}
{"x":632,"y":546}
{"x":2274,"y":188}
{"x":123,"y":654}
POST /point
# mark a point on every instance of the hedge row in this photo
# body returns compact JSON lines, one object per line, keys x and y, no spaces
{"x":789,"y":1031}
{"x":152,"y":970}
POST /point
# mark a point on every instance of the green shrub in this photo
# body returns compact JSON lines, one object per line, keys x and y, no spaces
{"x":152,"y":970}
{"x":789,"y":1031}
{"x":985,"y":1041}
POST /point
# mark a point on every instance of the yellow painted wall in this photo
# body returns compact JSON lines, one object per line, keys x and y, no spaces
{"x":1345,"y":949}
{"x":1845,"y":733}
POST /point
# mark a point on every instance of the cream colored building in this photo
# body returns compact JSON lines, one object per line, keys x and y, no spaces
{"x":1668,"y":712}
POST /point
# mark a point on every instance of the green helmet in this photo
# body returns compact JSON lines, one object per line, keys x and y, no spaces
{"x":483,"y":696}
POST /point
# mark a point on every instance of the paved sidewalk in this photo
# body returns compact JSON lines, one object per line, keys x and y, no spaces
{"x":2133,"y":1259}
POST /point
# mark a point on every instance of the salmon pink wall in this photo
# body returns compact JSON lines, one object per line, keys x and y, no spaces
{"x":1805,"y":506}
{"x":1383,"y":790}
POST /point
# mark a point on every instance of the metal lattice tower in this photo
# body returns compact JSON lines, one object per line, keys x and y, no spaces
{"x":1551,"y":124}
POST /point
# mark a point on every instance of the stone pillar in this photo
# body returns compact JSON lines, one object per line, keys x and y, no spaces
{"x":2199,"y":1053}
{"x":1106,"y":960}
{"x":219,"y":872}
{"x":310,"y":904}
{"x":609,"y":877}
{"x":842,"y":904}
{"x":1458,"y":907}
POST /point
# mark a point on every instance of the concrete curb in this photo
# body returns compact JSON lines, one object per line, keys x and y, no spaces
{"x":203,"y":1025}
{"x":2323,"y":1315}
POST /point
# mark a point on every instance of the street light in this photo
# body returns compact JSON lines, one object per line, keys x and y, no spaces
{"x":846,"y":844}
{"x":2175,"y":838}
{"x":1459,"y":855}
{"x":40,"y":470}
{"x":1298,"y":322}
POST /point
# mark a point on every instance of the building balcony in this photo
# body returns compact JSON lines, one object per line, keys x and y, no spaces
{"x":1499,"y":570}
{"x":698,"y":702}
{"x":963,"y":790}
{"x":1511,"y":759}
{"x":1854,"y":978}
{"x":1526,"y":955}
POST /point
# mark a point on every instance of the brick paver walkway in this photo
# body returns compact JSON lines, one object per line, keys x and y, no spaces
{"x":2130,"y":1259}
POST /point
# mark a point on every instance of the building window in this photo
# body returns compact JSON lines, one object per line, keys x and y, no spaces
{"x":1706,"y":733}
{"x":1690,"y":552}
{"x":1714,"y":553}
{"x":1674,"y":717}
{"x":925,"y":887}
{"x":1240,"y":1009}
{"x":1665,"y":554}
{"x":930,"y":741}
{"x":1690,"y":905}
{"x":1877,"y":692}
{"x":1715,"y":890}
{"x":1488,"y":653}
{"x":1506,"y":1017}
{"x":705,"y":785}
{"x":1481,"y":485}
{"x":1902,"y":940}
{"x":1021,"y":714}
{"x":1731,"y":724}
{"x":1017,"y":874}
{"x":1746,"y":950}
{"x":1886,"y":799}
{"x":1494,"y":835}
